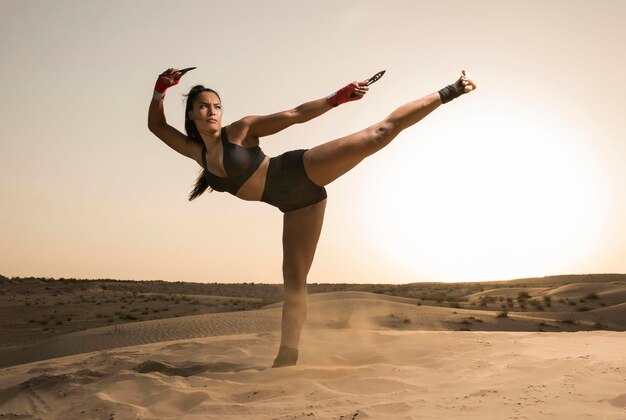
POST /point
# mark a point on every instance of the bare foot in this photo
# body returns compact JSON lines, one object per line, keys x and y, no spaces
{"x":467,"y":81}
{"x":287,"y":356}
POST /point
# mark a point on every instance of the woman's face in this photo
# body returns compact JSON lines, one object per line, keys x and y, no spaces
{"x":206,"y":112}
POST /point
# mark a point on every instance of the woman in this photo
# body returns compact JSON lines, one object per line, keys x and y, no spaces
{"x":294,"y":182}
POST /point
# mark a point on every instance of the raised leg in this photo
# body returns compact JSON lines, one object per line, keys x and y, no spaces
{"x":301,"y":232}
{"x":328,"y":161}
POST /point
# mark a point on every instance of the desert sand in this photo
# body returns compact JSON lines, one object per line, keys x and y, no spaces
{"x":362,"y":355}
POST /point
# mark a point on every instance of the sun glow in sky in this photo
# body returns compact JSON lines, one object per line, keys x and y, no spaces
{"x":506,"y":193}
{"x":524,"y":177}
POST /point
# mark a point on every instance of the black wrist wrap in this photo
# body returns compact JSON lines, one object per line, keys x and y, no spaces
{"x":452,"y":91}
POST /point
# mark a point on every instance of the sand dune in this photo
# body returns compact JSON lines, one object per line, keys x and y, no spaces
{"x":343,"y":374}
{"x":362,"y":355}
{"x":144,"y":332}
{"x":614,"y":315}
{"x":336,"y":310}
{"x":609,"y":293}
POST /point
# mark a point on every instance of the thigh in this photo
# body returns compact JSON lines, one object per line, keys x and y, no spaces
{"x":301,"y":232}
{"x":328,"y":161}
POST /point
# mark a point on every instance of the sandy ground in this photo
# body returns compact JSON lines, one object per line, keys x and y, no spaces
{"x":362,"y":356}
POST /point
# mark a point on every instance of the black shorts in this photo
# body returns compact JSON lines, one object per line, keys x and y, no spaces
{"x":287,"y":185}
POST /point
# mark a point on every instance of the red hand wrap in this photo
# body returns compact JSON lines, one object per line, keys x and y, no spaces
{"x":163,"y":82}
{"x":343,"y":95}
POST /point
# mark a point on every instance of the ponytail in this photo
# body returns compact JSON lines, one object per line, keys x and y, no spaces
{"x":201,"y":186}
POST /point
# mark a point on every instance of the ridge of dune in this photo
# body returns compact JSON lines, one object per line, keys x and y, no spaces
{"x":344,"y":295}
{"x":550,"y":281}
{"x":143,"y":332}
{"x":509,"y":292}
{"x":615,"y":293}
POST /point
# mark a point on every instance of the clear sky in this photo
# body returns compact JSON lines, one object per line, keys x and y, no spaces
{"x":524,"y":177}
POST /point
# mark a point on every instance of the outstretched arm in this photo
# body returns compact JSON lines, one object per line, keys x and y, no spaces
{"x":265,"y":125}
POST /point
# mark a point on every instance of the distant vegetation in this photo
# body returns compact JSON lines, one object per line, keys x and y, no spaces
{"x":46,"y":307}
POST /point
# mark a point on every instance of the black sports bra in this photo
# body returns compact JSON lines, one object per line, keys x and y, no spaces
{"x":239,"y":163}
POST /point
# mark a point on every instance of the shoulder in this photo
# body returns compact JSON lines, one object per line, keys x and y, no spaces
{"x":239,"y":132}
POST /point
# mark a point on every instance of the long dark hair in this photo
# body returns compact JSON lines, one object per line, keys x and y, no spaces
{"x":192,"y":131}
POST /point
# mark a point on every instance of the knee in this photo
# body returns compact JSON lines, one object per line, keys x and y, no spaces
{"x":384,"y":132}
{"x":294,"y":280}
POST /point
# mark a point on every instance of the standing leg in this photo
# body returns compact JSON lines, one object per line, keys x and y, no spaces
{"x":328,"y":161}
{"x":301,"y":232}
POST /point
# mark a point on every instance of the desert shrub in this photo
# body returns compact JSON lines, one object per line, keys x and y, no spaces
{"x":523,"y":296}
{"x":584,"y":309}
{"x":502,"y":314}
{"x":592,"y":296}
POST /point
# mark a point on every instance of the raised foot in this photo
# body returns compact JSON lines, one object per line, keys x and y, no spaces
{"x":463,"y":85}
{"x":467,"y":81}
